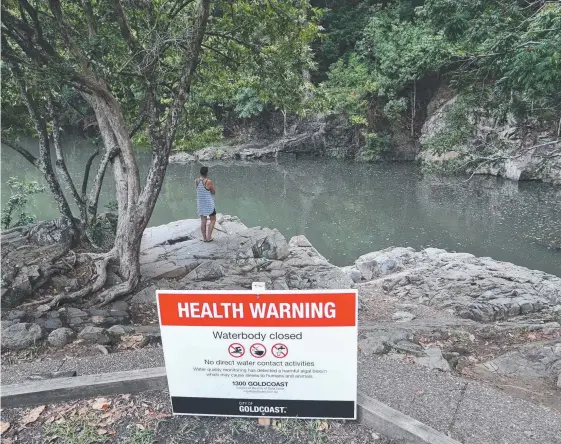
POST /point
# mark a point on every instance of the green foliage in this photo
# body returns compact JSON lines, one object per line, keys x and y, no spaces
{"x":512,"y":47}
{"x":375,"y":146}
{"x":253,"y":56}
{"x":348,"y":88}
{"x":510,"y":52}
{"x":77,"y":430}
{"x":396,"y":49}
{"x":112,"y":206}
{"x":248,"y":102}
{"x":345,"y":21}
{"x":400,"y":51}
{"x":194,"y":140}
{"x":14,"y":210}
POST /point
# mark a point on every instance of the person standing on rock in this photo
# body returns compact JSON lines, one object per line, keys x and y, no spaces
{"x":205,"y":203}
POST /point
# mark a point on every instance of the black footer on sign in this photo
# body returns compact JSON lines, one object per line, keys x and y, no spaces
{"x":263,"y":407}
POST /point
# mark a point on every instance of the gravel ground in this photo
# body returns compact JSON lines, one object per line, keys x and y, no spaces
{"x":147,"y":419}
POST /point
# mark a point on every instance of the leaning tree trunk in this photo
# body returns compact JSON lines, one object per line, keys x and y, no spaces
{"x":135,"y":206}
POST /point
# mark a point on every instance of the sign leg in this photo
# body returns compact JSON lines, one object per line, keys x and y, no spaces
{"x":256,"y":286}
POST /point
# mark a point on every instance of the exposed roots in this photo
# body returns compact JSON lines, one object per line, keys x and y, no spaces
{"x":116,"y":291}
{"x":101,"y":263}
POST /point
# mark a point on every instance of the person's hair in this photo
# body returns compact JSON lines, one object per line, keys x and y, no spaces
{"x":204,"y":171}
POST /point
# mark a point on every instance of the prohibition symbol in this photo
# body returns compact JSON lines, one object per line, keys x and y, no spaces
{"x":236,"y":350}
{"x":279,"y":351}
{"x":257,"y":350}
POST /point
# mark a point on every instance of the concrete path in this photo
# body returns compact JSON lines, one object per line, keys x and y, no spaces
{"x":467,"y":411}
{"x":470,"y":412}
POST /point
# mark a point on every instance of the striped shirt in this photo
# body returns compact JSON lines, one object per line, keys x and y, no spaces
{"x":205,"y":200}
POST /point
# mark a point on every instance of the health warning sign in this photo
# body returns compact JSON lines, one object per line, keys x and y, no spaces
{"x":261,"y":353}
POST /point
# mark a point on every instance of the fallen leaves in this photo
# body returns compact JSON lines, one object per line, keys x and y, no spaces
{"x":32,"y":416}
{"x":101,"y":404}
{"x":4,"y":426}
{"x":322,"y":426}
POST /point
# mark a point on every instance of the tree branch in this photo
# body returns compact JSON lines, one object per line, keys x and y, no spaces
{"x":60,"y":162}
{"x":140,"y":122}
{"x":44,"y":161}
{"x":249,"y":45}
{"x":162,"y":148}
{"x":20,"y":149}
{"x":87,"y":169}
{"x":178,"y":7}
{"x":90,"y":18}
{"x":220,"y":53}
{"x":93,"y":198}
{"x":129,"y":37}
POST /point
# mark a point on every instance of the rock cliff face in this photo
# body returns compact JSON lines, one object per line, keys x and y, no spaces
{"x":328,"y":136}
{"x":527,"y":152}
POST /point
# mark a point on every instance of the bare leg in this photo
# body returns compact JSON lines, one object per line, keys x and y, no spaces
{"x":211,"y":227}
{"x":203,"y":227}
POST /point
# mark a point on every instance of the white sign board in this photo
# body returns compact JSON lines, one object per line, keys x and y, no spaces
{"x":261,"y":353}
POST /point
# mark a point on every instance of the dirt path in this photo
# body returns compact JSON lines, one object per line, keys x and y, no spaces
{"x":147,"y":419}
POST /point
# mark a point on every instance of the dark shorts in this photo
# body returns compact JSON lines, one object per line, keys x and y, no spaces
{"x":211,"y":214}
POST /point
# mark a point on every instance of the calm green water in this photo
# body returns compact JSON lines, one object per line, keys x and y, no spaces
{"x":346,"y":209}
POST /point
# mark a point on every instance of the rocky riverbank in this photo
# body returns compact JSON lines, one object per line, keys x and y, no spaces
{"x":449,"y":311}
{"x":515,"y":150}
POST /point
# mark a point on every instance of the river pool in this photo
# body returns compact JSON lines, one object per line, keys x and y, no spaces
{"x":347,"y":209}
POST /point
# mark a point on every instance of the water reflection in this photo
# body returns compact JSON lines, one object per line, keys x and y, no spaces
{"x":347,"y":209}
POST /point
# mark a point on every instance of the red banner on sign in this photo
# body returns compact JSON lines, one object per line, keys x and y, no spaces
{"x":266,"y":310}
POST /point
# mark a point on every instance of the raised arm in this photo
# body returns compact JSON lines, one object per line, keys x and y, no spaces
{"x":211,"y":188}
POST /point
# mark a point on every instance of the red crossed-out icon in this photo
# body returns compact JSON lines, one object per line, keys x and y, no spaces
{"x":258,"y":350}
{"x":279,"y":351}
{"x":236,"y":350}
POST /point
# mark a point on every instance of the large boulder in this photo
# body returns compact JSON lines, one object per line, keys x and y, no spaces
{"x":61,"y":336}
{"x":94,"y":335}
{"x":145,"y":296}
{"x":174,"y":250}
{"x":21,"y":335}
{"x":207,"y":271}
{"x":236,"y":258}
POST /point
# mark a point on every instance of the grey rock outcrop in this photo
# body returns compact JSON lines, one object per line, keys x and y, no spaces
{"x":237,"y":257}
{"x":21,"y":335}
{"x":529,"y":362}
{"x":522,"y":152}
{"x":117,"y":331}
{"x":433,"y":360}
{"x":145,"y":296}
{"x":321,"y":136}
{"x":481,"y":289}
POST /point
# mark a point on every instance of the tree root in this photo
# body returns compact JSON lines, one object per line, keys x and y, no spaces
{"x":102,"y":261}
{"x":33,"y":303}
{"x":113,"y":293}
